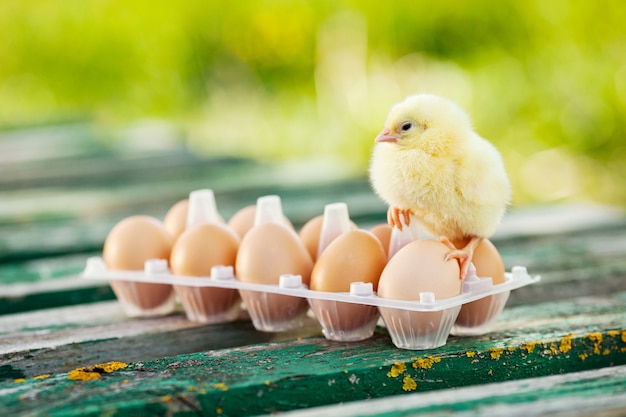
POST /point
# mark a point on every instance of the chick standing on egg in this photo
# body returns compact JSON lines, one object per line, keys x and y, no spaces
{"x":428,"y":162}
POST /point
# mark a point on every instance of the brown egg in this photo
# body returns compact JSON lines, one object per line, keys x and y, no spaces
{"x":310,"y":234}
{"x":270,"y":250}
{"x":243,"y":220}
{"x":200,"y":248}
{"x":195,"y":252}
{"x":488,"y":263}
{"x":175,"y":220}
{"x":383,"y":233}
{"x":128,"y":246}
{"x":354,"y":256}
{"x":266,"y":252}
{"x":419,"y":267}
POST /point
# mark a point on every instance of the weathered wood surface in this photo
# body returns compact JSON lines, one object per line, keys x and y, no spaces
{"x":597,"y":393}
{"x":530,"y":341}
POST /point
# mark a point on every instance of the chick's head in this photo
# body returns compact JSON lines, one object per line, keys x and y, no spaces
{"x":427,"y":122}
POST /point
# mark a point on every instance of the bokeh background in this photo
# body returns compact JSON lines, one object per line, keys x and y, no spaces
{"x":294,"y":80}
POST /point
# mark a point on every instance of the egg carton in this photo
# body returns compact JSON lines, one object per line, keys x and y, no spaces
{"x":345,"y":316}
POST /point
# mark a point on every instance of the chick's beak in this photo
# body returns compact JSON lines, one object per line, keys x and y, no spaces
{"x":386,"y":136}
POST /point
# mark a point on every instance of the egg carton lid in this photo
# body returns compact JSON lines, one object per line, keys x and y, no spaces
{"x":157,"y":272}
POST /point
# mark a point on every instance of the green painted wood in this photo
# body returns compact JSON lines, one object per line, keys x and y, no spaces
{"x":530,"y":341}
{"x":80,"y":219}
{"x":60,"y":339}
{"x":593,"y":393}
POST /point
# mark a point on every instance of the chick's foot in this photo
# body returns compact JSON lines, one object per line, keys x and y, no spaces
{"x":393,"y":217}
{"x":463,"y":256}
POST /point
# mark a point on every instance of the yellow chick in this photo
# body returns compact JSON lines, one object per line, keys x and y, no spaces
{"x":428,"y":162}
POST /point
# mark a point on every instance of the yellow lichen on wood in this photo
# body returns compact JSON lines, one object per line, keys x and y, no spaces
{"x":220,"y":385}
{"x":409,"y":384}
{"x":495,"y":353}
{"x":583,"y":356}
{"x":81,"y":375}
{"x":110,"y":366}
{"x":425,"y":363}
{"x":90,"y":373}
{"x":613,"y":333}
{"x":19,"y":380}
{"x":596,"y":338}
{"x":396,"y":370}
{"x":566,"y":343}
{"x":44,"y":376}
{"x":553,"y":349}
{"x":470,"y":354}
{"x":624,"y":336}
{"x":529,"y":347}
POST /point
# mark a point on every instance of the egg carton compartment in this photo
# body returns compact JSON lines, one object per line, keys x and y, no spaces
{"x":330,"y":308}
{"x":209,"y":305}
{"x":345,"y":322}
{"x":419,"y":330}
{"x":478,"y":317}
{"x":144,"y":299}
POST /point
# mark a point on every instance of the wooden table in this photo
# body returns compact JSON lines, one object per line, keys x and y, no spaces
{"x":67,"y":349}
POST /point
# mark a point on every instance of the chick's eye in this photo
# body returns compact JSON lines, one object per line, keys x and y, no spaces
{"x":406,"y":126}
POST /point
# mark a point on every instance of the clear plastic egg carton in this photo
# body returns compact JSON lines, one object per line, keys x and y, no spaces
{"x":349,"y":316}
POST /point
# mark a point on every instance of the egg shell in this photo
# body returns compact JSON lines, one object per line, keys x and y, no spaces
{"x":175,"y":220}
{"x":266,"y":252}
{"x":354,"y":256}
{"x":418,"y":267}
{"x":128,"y":246}
{"x":310,"y":234}
{"x":133,"y":241}
{"x":270,"y":250}
{"x":195,"y":252}
{"x":202,"y":247}
{"x":488,"y":263}
{"x":243,"y":220}
{"x":383,"y":233}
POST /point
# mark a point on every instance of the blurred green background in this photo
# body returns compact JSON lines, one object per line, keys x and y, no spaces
{"x":281,"y":80}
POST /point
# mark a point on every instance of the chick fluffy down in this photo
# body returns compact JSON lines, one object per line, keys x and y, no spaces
{"x":453,"y":180}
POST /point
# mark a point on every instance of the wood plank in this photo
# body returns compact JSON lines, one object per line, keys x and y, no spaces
{"x":530,"y":341}
{"x":58,"y":340}
{"x":595,"y":393}
{"x":80,"y":219}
